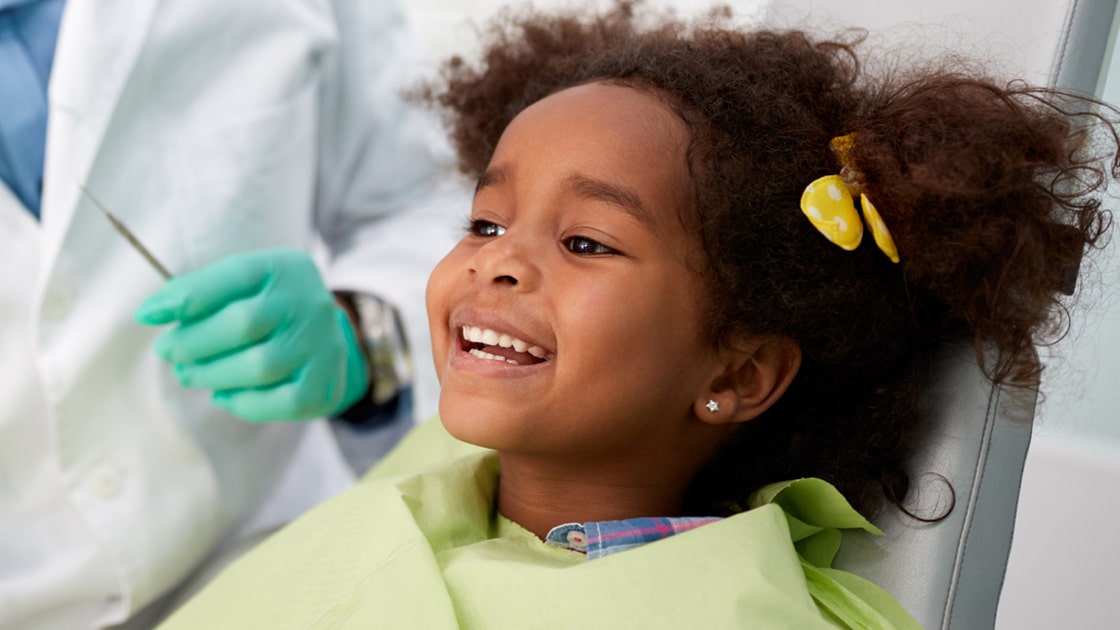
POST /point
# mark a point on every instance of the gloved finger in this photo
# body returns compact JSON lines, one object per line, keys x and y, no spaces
{"x":237,"y":326}
{"x":262,"y":365}
{"x":281,"y":402}
{"x":202,"y":292}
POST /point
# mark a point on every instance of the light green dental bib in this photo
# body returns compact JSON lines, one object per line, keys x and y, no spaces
{"x":425,"y":550}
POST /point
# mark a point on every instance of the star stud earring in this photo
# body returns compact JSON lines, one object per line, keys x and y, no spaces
{"x":712,"y":406}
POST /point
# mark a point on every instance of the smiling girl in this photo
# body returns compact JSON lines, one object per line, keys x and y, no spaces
{"x":578,"y":250}
{"x":665,"y":330}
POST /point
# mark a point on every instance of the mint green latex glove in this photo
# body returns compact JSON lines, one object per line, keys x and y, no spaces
{"x":263,"y":331}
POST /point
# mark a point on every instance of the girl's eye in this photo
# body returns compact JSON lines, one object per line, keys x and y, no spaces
{"x":485,"y":229}
{"x":587,"y":247}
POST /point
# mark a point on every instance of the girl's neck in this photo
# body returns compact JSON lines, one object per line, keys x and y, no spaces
{"x":539,"y":496}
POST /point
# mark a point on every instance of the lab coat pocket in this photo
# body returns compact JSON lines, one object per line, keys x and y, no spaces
{"x":249,"y":184}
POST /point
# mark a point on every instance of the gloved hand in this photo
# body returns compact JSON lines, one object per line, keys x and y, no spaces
{"x":262,"y":331}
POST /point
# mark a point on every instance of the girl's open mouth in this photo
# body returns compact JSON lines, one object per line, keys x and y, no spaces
{"x":492,"y":345}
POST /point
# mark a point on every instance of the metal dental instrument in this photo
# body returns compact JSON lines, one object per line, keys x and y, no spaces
{"x":128,"y":236}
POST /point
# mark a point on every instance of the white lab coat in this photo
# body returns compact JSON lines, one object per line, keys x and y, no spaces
{"x":209,"y":127}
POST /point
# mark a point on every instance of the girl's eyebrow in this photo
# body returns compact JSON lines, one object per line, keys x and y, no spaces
{"x":585,"y":187}
{"x":616,"y":195}
{"x":493,"y":175}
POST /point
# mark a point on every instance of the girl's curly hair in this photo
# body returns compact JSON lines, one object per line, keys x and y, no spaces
{"x":989,"y":191}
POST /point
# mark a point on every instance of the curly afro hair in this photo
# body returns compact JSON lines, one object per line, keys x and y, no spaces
{"x":989,"y":190}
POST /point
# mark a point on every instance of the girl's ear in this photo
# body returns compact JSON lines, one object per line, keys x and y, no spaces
{"x":750,"y":381}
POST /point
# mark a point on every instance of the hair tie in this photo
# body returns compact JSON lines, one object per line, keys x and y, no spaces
{"x":829,"y":205}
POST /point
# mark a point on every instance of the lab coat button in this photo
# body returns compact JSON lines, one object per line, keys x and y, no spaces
{"x":113,"y":603}
{"x":56,"y":305}
{"x":105,"y":482}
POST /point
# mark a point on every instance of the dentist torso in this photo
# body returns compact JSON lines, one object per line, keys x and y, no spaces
{"x":209,"y":128}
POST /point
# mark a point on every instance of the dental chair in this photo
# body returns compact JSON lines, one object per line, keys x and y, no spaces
{"x":949,"y":573}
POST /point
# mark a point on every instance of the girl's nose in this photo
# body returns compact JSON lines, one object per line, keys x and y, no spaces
{"x":505,"y":261}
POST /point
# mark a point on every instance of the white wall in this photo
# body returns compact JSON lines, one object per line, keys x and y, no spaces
{"x":1060,"y":572}
{"x":448,"y":25}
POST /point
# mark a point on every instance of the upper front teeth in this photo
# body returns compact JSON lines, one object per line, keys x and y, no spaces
{"x":474,"y":334}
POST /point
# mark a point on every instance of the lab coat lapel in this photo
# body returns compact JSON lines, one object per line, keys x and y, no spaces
{"x":98,"y":44}
{"x":15,"y":220}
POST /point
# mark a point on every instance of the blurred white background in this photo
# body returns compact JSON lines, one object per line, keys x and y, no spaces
{"x":447,"y":26}
{"x":1061,"y":571}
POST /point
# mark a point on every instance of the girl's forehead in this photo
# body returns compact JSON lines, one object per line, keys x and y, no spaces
{"x":616,"y":109}
{"x":601,"y":140}
{"x":597,"y":130}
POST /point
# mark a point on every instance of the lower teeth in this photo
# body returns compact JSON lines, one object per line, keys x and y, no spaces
{"x":491,"y":357}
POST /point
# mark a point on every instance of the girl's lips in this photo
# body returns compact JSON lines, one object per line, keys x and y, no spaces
{"x":485,"y":341}
{"x":490,"y":344}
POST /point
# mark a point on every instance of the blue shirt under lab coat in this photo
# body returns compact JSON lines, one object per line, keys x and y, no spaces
{"x":28,"y":32}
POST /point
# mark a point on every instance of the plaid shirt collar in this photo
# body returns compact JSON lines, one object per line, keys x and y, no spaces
{"x":603,"y":538}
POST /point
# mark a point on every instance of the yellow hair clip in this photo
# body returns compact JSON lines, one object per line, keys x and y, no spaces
{"x":828,"y":204}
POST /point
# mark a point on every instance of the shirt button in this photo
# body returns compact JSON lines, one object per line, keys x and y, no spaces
{"x":56,"y":305}
{"x":105,"y":481}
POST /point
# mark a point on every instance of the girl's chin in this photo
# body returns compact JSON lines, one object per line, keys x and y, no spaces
{"x":467,"y":427}
{"x":479,"y":428}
